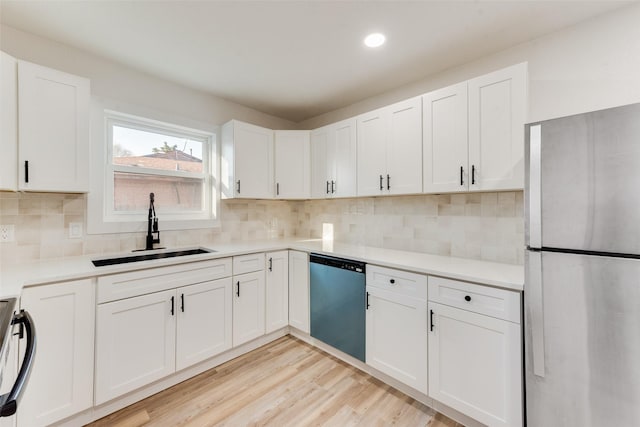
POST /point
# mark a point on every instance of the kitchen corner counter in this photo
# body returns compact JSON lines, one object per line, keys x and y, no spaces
{"x":14,"y":278}
{"x":507,"y":276}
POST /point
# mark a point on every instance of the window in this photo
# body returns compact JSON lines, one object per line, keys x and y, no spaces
{"x":145,"y":156}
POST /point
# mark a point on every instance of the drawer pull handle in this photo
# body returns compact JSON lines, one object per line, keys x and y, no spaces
{"x":467,"y":298}
{"x":238,"y":289}
{"x":392,"y":281}
{"x":431,"y":320}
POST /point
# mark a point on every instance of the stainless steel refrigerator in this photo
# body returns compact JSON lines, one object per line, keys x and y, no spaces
{"x":582,"y":285}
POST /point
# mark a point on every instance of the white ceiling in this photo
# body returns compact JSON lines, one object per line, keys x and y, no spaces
{"x":296,"y":59}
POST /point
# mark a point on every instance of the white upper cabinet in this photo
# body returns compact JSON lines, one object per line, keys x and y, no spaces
{"x":53,"y":129}
{"x":246,"y":168}
{"x":445,"y":139}
{"x":497,"y":112}
{"x":333,"y":154}
{"x":292,"y":159}
{"x":473,"y":133}
{"x":389,"y":154}
{"x":8,"y":122}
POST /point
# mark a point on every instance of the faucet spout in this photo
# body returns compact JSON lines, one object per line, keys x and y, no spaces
{"x":152,"y":225}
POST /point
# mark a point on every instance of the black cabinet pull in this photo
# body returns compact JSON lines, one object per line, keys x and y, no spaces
{"x":473,"y":174}
{"x":392,"y":281}
{"x":431,"y":320}
{"x":467,"y":298}
{"x":367,"y":301}
{"x":381,"y":187}
{"x":238,"y":289}
{"x":270,"y":264}
{"x":327,"y":187}
{"x":461,"y":175}
{"x":182,"y":302}
{"x":173,"y":306}
{"x":333,"y":186}
{"x":277,"y":188}
{"x":238,"y":186}
{"x":26,"y":171}
{"x":388,"y":182}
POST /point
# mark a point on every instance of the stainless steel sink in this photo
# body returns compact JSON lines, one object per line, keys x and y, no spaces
{"x":148,"y":257}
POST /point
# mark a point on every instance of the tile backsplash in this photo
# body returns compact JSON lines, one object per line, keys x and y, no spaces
{"x":488,"y":226}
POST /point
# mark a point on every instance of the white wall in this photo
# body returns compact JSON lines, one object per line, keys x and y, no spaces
{"x":137,"y":92}
{"x":589,"y":66}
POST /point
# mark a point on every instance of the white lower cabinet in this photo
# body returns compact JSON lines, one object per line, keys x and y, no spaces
{"x":475,"y":361}
{"x":397,"y":330}
{"x":299,"y":290}
{"x":204,"y":321}
{"x":61,"y":382}
{"x":136,"y":343}
{"x":277,"y":291}
{"x":248,"y":307}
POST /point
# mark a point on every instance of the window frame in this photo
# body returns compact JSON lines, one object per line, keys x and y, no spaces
{"x":112,"y":221}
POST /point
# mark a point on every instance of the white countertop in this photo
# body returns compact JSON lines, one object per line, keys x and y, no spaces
{"x":14,"y":278}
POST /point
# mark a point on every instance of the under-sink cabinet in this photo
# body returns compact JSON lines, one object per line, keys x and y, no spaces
{"x":61,"y":381}
{"x":151,"y":323}
{"x":248,"y":298}
{"x":475,"y":350}
{"x":397,"y":327}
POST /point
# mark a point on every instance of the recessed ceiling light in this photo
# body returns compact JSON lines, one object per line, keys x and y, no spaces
{"x":374,"y":40}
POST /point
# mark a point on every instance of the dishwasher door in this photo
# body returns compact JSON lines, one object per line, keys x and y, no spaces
{"x":338,"y":303}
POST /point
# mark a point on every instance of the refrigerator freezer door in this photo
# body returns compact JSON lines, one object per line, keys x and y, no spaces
{"x":590,"y":181}
{"x":591,"y":343}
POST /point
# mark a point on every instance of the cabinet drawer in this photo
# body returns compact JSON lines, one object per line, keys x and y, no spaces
{"x":248,"y":263}
{"x":397,"y":281}
{"x":126,"y":285}
{"x":498,"y":303}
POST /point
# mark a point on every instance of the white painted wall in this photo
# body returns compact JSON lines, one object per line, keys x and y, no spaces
{"x":134,"y":91}
{"x":589,"y":66}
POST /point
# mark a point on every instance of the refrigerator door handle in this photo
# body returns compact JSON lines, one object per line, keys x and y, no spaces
{"x":534,"y":295}
{"x":535,"y":202}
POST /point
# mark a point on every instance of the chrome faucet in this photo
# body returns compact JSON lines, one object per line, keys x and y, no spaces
{"x":152,"y":225}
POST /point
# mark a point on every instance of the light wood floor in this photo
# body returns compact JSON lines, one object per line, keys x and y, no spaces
{"x":285,"y":383}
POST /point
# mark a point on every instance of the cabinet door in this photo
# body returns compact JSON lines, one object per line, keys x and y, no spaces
{"x":204,"y":321}
{"x":397,"y":336}
{"x":497,"y":109}
{"x":299,"y":290}
{"x":53,"y":129}
{"x":372,"y":152}
{"x":445,"y":140}
{"x":277,"y":290}
{"x":135,"y":343}
{"x":292,"y":164}
{"x":253,"y":146}
{"x":8,"y":122}
{"x":343,"y":159}
{"x":404,"y":147}
{"x":475,"y":365}
{"x":61,"y":382}
{"x":248,"y":307}
{"x":320,"y":167}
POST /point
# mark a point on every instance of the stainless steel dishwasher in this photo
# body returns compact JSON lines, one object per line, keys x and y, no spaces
{"x":338,"y":303}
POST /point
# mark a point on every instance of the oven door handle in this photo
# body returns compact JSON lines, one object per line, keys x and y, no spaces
{"x":10,"y":400}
